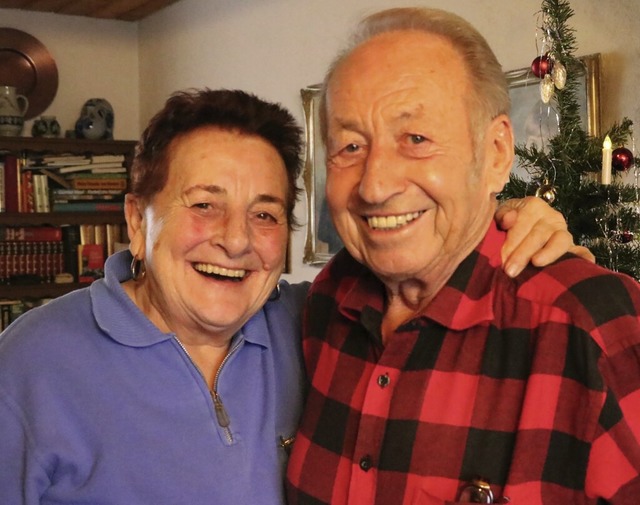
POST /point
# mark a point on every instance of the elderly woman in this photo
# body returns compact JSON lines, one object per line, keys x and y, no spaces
{"x":177,"y":378}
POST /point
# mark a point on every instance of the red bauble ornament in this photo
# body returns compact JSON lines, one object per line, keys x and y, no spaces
{"x":542,"y":66}
{"x":625,"y":237}
{"x":621,"y":159}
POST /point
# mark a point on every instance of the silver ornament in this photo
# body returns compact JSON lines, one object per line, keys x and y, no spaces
{"x":547,"y":192}
{"x":559,"y":75}
{"x":546,"y":88}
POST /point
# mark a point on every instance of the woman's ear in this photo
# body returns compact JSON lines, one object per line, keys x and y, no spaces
{"x":136,"y":224}
{"x":499,"y":152}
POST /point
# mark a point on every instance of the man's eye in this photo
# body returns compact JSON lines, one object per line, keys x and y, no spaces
{"x":417,"y":139}
{"x":203,"y":206}
{"x":351,"y":148}
{"x":265,"y":216}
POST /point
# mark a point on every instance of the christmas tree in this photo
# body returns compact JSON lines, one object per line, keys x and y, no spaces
{"x":572,"y":171}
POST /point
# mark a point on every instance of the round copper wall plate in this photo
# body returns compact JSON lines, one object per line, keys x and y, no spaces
{"x":26,"y":64}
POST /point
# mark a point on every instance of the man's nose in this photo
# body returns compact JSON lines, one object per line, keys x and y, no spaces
{"x":382,"y":176}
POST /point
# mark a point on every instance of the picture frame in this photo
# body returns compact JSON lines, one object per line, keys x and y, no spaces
{"x":321,"y":241}
{"x":534,"y":121}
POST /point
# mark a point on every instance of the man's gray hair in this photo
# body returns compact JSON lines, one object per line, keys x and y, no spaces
{"x":491,"y":92}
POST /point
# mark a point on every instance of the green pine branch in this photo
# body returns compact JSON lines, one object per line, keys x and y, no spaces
{"x":604,"y":218}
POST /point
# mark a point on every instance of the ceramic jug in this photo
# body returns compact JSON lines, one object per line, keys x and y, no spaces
{"x":46,"y":126}
{"x":12,"y":110}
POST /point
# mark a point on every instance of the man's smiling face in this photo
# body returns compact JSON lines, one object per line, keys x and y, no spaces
{"x":408,"y":194}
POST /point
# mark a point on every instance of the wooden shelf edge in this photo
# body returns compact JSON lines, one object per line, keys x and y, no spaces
{"x":62,"y":145}
{"x":33,"y":291}
{"x":59,"y":218}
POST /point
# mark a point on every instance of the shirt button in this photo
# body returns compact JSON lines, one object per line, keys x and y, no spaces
{"x":365,"y":463}
{"x":383,"y":380}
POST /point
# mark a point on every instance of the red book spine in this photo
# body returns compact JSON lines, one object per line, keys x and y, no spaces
{"x":21,"y":267}
{"x":49,"y":261}
{"x":28,"y":195}
{"x":29,"y":257}
{"x":59,"y":259}
{"x":41,"y":267}
{"x":31,"y":233}
{"x":12,"y":259}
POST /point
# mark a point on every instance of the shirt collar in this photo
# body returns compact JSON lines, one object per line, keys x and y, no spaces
{"x":465,"y":301}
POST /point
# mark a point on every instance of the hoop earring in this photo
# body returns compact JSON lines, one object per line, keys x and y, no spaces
{"x":275,"y":294}
{"x":137,"y":269}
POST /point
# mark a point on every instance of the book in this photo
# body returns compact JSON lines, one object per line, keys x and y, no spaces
{"x":64,"y":196}
{"x":91,"y":166}
{"x":11,"y":184}
{"x":71,"y":241}
{"x":27,"y":202}
{"x":90,"y":262}
{"x":113,"y":169}
{"x":87,"y":233}
{"x":41,"y":189}
{"x":100,"y":236}
{"x":95,"y":176}
{"x":116,"y":233}
{"x":62,"y":158}
{"x":31,"y":233}
{"x":2,"y":193}
{"x":106,"y":183}
{"x":72,"y":193}
{"x":87,"y":206}
{"x":107,"y":158}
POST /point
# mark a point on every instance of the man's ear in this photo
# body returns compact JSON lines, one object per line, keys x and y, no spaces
{"x":499,"y":152}
{"x":136,"y":224}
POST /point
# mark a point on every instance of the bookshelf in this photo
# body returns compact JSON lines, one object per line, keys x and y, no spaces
{"x":28,"y":146}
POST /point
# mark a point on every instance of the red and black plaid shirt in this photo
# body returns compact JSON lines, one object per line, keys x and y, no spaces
{"x":531,"y":383}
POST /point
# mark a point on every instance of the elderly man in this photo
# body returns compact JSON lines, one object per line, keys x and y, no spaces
{"x":435,"y":377}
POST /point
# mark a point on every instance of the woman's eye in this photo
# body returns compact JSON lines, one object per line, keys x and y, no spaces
{"x":417,"y":139}
{"x":203,"y":206}
{"x":352,"y":148}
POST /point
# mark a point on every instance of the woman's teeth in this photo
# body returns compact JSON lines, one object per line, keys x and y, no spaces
{"x":216,"y":270}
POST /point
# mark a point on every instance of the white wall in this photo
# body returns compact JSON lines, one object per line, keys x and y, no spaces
{"x":275,"y":47}
{"x":95,"y":59}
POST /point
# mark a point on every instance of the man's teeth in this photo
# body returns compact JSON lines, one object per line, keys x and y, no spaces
{"x":390,"y":222}
{"x":216,"y":270}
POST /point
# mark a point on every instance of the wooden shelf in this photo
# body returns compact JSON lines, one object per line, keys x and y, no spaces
{"x":64,"y":145}
{"x":52,"y":290}
{"x":59,"y":218}
{"x":25,"y":146}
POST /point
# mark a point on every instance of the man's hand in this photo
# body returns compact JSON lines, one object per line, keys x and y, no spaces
{"x":536,"y":233}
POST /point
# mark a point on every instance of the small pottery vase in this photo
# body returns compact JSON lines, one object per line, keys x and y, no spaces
{"x":12,"y":109}
{"x":46,"y":126}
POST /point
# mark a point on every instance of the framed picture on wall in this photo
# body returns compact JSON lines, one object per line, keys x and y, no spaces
{"x":535,"y":122}
{"x":322,"y":240}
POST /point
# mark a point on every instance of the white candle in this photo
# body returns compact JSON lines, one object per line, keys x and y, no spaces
{"x":606,"y":161}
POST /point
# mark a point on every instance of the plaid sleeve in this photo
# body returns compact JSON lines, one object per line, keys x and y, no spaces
{"x":608,"y":309}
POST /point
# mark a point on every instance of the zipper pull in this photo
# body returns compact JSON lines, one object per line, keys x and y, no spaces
{"x":221,"y":413}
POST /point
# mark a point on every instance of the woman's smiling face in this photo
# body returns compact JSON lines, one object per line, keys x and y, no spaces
{"x":215,"y":237}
